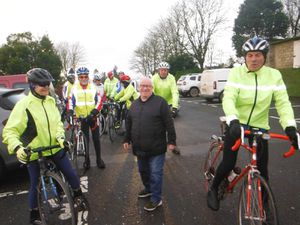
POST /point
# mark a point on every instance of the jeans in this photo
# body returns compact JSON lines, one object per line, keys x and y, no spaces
{"x":63,"y":163}
{"x":151,"y":172}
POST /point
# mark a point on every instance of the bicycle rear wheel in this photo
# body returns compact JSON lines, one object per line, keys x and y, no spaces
{"x":111,"y":128}
{"x":55,"y":202}
{"x":257,"y":203}
{"x":212,"y":160}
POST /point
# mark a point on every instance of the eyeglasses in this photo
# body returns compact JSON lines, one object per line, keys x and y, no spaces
{"x":44,"y":84}
{"x":145,"y":86}
{"x":83,"y":76}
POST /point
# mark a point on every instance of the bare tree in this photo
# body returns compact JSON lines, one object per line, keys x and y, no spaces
{"x":293,"y":12}
{"x":70,"y":54}
{"x":201,"y":20}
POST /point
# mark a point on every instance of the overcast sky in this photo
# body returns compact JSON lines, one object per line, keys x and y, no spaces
{"x":108,"y":30}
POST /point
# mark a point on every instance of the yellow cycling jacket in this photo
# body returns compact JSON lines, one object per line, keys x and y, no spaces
{"x":34,"y":122}
{"x":110,"y":87}
{"x":166,"y":88}
{"x":127,"y":95}
{"x":248,"y":96}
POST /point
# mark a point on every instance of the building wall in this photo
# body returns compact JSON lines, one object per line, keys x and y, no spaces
{"x":297,"y":54}
{"x":281,"y":55}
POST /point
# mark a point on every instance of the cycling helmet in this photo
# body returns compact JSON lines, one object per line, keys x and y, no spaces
{"x":82,"y":70}
{"x":256,"y":44}
{"x":125,"y":78}
{"x":163,"y":65}
{"x":97,"y":76}
{"x":39,"y":76}
{"x":71,"y":72}
{"x":110,"y":74}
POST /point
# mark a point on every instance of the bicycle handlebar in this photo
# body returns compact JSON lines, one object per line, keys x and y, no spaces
{"x":287,"y":154}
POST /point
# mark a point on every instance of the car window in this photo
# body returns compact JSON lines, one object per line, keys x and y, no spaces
{"x":199,"y":78}
{"x":182,"y":78}
{"x":193,"y":78}
{"x":20,"y":85}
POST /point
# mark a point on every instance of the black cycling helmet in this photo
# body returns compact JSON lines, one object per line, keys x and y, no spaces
{"x":256,"y":44}
{"x":39,"y":76}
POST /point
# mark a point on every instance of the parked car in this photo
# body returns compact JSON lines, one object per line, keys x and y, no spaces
{"x":8,"y":99}
{"x":189,"y":84}
{"x":213,"y":83}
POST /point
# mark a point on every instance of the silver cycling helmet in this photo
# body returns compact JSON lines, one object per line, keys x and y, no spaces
{"x":163,"y":65}
{"x":256,"y":44}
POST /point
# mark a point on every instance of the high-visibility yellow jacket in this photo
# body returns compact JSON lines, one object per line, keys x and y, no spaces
{"x":248,"y":96}
{"x":110,"y":87}
{"x":127,"y":95}
{"x":34,"y":122}
{"x":84,"y":100}
{"x":166,"y":88}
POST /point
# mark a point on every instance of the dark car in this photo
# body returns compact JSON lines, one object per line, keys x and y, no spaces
{"x":8,"y":99}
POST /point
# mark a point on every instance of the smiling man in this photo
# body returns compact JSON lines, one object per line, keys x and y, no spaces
{"x":150,"y":130}
{"x":248,"y":94}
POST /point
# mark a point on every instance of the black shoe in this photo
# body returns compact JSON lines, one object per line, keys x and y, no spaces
{"x":144,"y":194}
{"x":150,"y":206}
{"x":101,"y":164}
{"x":212,"y":199}
{"x":35,"y":217}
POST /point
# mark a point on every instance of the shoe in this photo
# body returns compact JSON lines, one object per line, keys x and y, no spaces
{"x":117,"y":125}
{"x":35,"y":217}
{"x":144,"y":194}
{"x":101,"y":164}
{"x":150,"y":206}
{"x":176,"y":151}
{"x":212,"y":199}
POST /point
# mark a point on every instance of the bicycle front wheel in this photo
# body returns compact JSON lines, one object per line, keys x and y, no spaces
{"x":102,"y":124}
{"x":257,"y":203}
{"x":81,"y":154}
{"x":212,"y":160}
{"x":111,"y":128}
{"x":55,"y":201}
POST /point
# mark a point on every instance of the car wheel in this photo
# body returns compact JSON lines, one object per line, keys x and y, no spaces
{"x":209,"y":99}
{"x":194,"y":92}
{"x":221,"y":97}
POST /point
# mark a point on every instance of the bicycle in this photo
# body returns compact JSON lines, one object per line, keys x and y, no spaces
{"x":256,"y":200}
{"x":55,"y":201}
{"x":80,"y":150}
{"x":102,"y":119}
{"x":113,"y":130}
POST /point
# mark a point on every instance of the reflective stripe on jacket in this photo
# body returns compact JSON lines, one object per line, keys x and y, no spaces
{"x":33,"y":122}
{"x":166,"y":88}
{"x":248,"y":96}
{"x":83,"y":101}
{"x":127,"y":95}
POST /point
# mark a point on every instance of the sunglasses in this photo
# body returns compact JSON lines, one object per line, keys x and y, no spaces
{"x":44,"y":84}
{"x":83,"y":77}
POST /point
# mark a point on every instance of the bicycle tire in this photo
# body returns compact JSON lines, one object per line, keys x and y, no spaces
{"x":81,"y":155}
{"x":102,"y":124}
{"x":262,"y":203}
{"x":55,"y":201}
{"x":212,"y":160}
{"x":111,"y":128}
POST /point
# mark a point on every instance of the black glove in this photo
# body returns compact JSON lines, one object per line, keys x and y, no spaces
{"x":94,"y":112}
{"x":291,"y":132}
{"x":70,"y":114}
{"x":235,"y":129}
{"x":174,"y":112}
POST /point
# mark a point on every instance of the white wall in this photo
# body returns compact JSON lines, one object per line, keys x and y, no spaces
{"x":296,"y":63}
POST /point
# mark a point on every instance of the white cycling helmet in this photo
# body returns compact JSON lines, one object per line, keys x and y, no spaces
{"x":163,"y":65}
{"x":256,"y":44}
{"x":97,"y":76}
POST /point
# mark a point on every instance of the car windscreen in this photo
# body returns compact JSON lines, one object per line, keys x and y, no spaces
{"x":9,"y":100}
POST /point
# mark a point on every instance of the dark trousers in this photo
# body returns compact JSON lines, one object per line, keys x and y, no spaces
{"x":86,"y":126}
{"x":230,"y":157}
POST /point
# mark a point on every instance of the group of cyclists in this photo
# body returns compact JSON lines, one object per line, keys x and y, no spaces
{"x":35,"y":120}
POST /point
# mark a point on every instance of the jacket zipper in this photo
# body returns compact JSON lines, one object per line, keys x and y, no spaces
{"x":47,"y":122}
{"x":255,"y":98}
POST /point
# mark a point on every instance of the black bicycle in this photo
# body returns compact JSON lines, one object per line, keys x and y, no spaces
{"x":55,"y":201}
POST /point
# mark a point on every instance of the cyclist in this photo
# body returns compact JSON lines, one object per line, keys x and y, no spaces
{"x":164,"y":85}
{"x":126,"y":95}
{"x":99,"y":85}
{"x":110,"y":85}
{"x":86,"y":101}
{"x":119,"y":86}
{"x":35,"y":122}
{"x":66,"y":90}
{"x":248,"y":95}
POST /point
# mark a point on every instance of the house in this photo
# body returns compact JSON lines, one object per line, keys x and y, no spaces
{"x":284,"y":53}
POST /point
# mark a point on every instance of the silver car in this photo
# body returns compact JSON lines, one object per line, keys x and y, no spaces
{"x":8,"y":99}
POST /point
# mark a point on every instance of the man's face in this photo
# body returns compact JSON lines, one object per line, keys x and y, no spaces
{"x":83,"y":79}
{"x":254,"y":60}
{"x":163,"y":73}
{"x":146,"y":89}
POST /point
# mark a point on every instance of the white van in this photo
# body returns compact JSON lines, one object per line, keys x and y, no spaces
{"x":213,"y":83}
{"x":189,"y":84}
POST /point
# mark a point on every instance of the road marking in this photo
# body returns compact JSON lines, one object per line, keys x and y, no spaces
{"x":82,"y":216}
